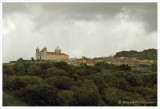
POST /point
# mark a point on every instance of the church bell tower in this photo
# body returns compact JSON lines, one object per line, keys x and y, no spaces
{"x":37,"y":53}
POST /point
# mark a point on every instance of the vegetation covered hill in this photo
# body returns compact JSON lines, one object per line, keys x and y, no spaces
{"x":150,"y":54}
{"x":59,"y":84}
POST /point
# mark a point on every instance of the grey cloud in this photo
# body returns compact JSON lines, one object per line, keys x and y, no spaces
{"x":147,"y":13}
{"x":90,"y":11}
{"x":10,"y":8}
{"x":84,"y":11}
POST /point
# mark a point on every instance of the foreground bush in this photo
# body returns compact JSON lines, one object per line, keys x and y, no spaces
{"x":60,"y":84}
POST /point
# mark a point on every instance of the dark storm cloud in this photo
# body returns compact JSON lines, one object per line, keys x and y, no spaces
{"x":89,"y":29}
{"x":145,"y":12}
{"x":10,"y":8}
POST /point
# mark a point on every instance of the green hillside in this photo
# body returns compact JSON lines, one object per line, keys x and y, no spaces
{"x":150,"y":54}
{"x":60,"y":84}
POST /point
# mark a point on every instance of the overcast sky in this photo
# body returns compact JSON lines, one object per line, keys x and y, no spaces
{"x":79,"y":29}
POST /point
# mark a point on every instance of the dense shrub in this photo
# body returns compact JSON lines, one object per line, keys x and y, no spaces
{"x":17,"y":82}
{"x":59,"y":84}
{"x":10,"y":100}
{"x":39,"y":95}
{"x":19,"y":69}
{"x":34,"y":70}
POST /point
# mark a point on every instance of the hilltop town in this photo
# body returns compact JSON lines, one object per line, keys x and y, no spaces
{"x":118,"y":59}
{"x":132,"y":62}
{"x":121,"y":58}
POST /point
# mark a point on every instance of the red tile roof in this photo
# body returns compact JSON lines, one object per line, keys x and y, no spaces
{"x":54,"y":53}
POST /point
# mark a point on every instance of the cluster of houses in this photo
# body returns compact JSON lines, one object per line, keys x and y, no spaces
{"x":133,"y":62}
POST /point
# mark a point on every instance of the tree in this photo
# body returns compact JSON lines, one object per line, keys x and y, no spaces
{"x":58,"y":72}
{"x":9,"y":100}
{"x":124,"y":67}
{"x":113,"y":95}
{"x":79,"y":86}
{"x":32,"y":59}
{"x":19,"y":68}
{"x":60,"y":82}
{"x":149,"y":79}
{"x":154,"y":67}
{"x":63,"y":66}
{"x":34,"y":70}
{"x":103,"y":65}
{"x":8,"y":70}
{"x":65,"y":97}
{"x":5,"y":81}
{"x":86,"y":95}
{"x":20,"y":59}
{"x":13,"y":83}
{"x":83,"y":72}
{"x":134,"y":80}
{"x":45,"y":65}
{"x":16,"y":82}
{"x":37,"y":95}
{"x":150,"y":54}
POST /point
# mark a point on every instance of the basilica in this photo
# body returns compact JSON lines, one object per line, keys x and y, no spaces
{"x":53,"y":56}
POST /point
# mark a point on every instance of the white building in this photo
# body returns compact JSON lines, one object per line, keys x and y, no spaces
{"x":55,"y":56}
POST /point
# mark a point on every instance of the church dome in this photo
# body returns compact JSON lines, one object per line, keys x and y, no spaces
{"x":57,"y":48}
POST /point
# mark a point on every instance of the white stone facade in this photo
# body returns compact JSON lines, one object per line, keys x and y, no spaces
{"x":54,"y":56}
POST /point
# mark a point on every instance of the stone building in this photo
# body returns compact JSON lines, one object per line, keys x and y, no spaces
{"x":54,"y":56}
